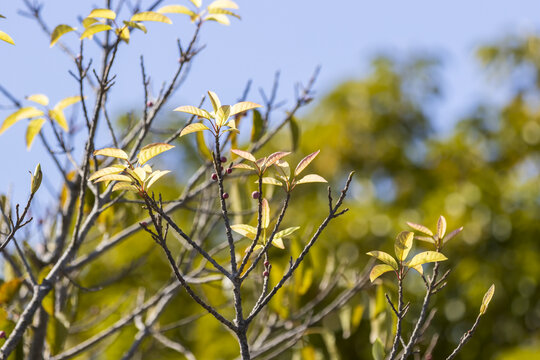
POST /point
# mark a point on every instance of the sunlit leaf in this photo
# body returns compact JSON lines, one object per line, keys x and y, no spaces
{"x":426,"y":257}
{"x":58,"y":116}
{"x":286,"y":232}
{"x":305,"y":162}
{"x":284,"y":166}
{"x":243,"y":106}
{"x":227,"y":4}
{"x":487,"y":299}
{"x":87,"y":22}
{"x":311,"y":178}
{"x":452,"y":235}
{"x":243,"y":166}
{"x":191,"y":128}
{"x":175,"y":9}
{"x":378,"y":270}
{"x":115,"y":169}
{"x":135,"y":25}
{"x":403,"y":244}
{"x":123,"y":34}
{"x":147,"y":168}
{"x":197,"y":3}
{"x":420,"y":228}
{"x":39,"y":99}
{"x":214,"y":99}
{"x":441,"y":227}
{"x":244,"y":154}
{"x":275,"y":157}
{"x":222,"y":115}
{"x":377,"y":350}
{"x":278,"y":242}
{"x":151,"y":150}
{"x":114,"y":177}
{"x":224,"y":12}
{"x":222,"y":19}
{"x":22,"y":113}
{"x":155,"y":176}
{"x":112,"y":152}
{"x":125,"y":186}
{"x":245,"y":230}
{"x":141,"y":174}
{"x":102,"y":13}
{"x":203,"y":148}
{"x":9,"y":289}
{"x":94,"y":29}
{"x":257,"y":127}
{"x":5,"y":37}
{"x":385,"y":258}
{"x":59,"y":31}
{"x":425,"y":238}
{"x":151,"y":16}
{"x":270,"y":181}
{"x":265,"y":221}
{"x":194,"y":111}
{"x":34,"y":127}
{"x":64,"y":103}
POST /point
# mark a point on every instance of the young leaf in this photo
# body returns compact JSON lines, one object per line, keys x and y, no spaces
{"x":284,"y":166}
{"x":278,"y":242}
{"x":420,"y":228}
{"x":286,"y":232}
{"x":64,"y":103}
{"x":378,"y":270}
{"x":295,"y":132}
{"x":141,"y":173}
{"x":419,"y":269}
{"x":275,"y":157}
{"x":37,"y":176}
{"x":151,"y":150}
{"x":270,"y":181}
{"x":243,"y":106}
{"x":197,"y":3}
{"x":219,"y":18}
{"x":305,"y":162}
{"x":222,"y":115}
{"x":257,"y":127}
{"x":87,"y":22}
{"x":114,"y":177}
{"x":59,"y":117}
{"x":377,"y":350}
{"x":385,"y":258}
{"x":115,"y":169}
{"x":193,"y":128}
{"x":151,"y":16}
{"x":175,"y":9}
{"x":34,"y":127}
{"x":147,"y":168}
{"x":155,"y":176}
{"x":223,"y":12}
{"x":39,"y":99}
{"x":9,"y":289}
{"x":487,"y":298}
{"x":426,"y":257}
{"x":425,"y":238}
{"x":441,"y":227}
{"x":112,"y":152}
{"x":245,"y":230}
{"x":5,"y":37}
{"x":311,"y":178}
{"x":223,"y":4}
{"x":94,"y":29}
{"x":102,"y":13}
{"x":265,"y":221}
{"x":203,"y":148}
{"x":244,"y":154}
{"x":214,"y":99}
{"x":123,"y":34}
{"x":135,"y":25}
{"x":58,"y":32}
{"x":194,"y":111}
{"x":125,"y":186}
{"x":243,"y":166}
{"x":452,"y":235}
{"x":403,"y":244}
{"x":22,"y":113}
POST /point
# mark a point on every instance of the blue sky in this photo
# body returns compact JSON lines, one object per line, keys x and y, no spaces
{"x":293,"y":36}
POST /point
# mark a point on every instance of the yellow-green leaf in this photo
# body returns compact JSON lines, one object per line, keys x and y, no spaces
{"x":305,"y":162}
{"x":201,"y":145}
{"x":9,"y":289}
{"x":265,"y":221}
{"x":124,"y":186}
{"x":112,"y":152}
{"x":193,"y":128}
{"x":141,"y":173}
{"x":378,"y":270}
{"x":87,"y":22}
{"x":258,"y":126}
{"x":222,"y":115}
{"x":311,"y":178}
{"x":123,"y":34}
{"x":243,"y":166}
{"x":5,"y":37}
{"x":155,"y":176}
{"x":243,"y":106}
{"x":487,"y":298}
{"x":58,"y":116}
{"x":270,"y":181}
{"x":420,"y":228}
{"x":453,"y":234}
{"x":284,"y":165}
{"x":39,"y":99}
{"x":102,"y":13}
{"x":245,"y":230}
{"x":426,"y":257}
{"x":22,"y":113}
{"x":94,"y":29}
{"x":194,"y":111}
{"x":34,"y":127}
{"x":403,"y":244}
{"x":175,"y":9}
{"x":278,"y":242}
{"x":425,"y":238}
{"x":286,"y":232}
{"x":59,"y":31}
{"x":151,"y":16}
{"x":64,"y":103}
{"x":115,"y":169}
{"x":135,"y":25}
{"x":275,"y":157}
{"x":197,"y":3}
{"x":151,"y":150}
{"x":441,"y":227}
{"x":114,"y":177}
{"x":214,"y":99}
{"x":223,"y":4}
{"x":385,"y":258}
{"x":219,"y":18}
{"x":244,"y":154}
{"x":224,"y":12}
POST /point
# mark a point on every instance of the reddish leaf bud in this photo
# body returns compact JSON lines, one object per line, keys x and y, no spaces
{"x":149,"y":104}
{"x":2,"y":334}
{"x":265,"y":274}
{"x":225,"y":196}
{"x":214,"y":177}
{"x":229,"y":170}
{"x":255,"y":194}
{"x":223,"y":159}
{"x":143,"y":223}
{"x":266,"y":263}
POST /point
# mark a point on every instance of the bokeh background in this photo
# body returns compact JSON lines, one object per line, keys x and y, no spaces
{"x":434,"y":105}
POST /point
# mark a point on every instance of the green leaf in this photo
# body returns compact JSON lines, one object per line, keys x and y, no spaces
{"x":219,"y":18}
{"x":265,"y":221}
{"x":203,"y":148}
{"x":278,"y":242}
{"x":194,"y":111}
{"x":94,"y":29}
{"x":135,"y":25}
{"x":155,"y":176}
{"x":102,"y":13}
{"x":112,"y":152}
{"x":452,"y":235}
{"x":9,"y":289}
{"x":286,"y":232}
{"x":244,"y":154}
{"x":420,"y":228}
{"x":151,"y":16}
{"x":223,"y":114}
{"x":34,"y":127}
{"x":37,"y":176}
{"x":295,"y":133}
{"x":175,"y":9}
{"x":59,"y":31}
{"x":487,"y":299}
{"x":441,"y":227}
{"x":5,"y":37}
{"x":385,"y":258}
{"x":115,"y":169}
{"x":22,"y":113}
{"x":58,"y":116}
{"x":39,"y":99}
{"x":258,"y":126}
{"x":191,"y":128}
{"x":403,"y":244}
{"x":305,"y":162}
{"x":245,"y":230}
{"x":426,"y":257}
{"x":377,"y":350}
{"x":151,"y":150}
{"x":378,"y":270}
{"x":243,"y":106}
{"x":64,"y":103}
{"x":223,"y":4}
{"x":56,"y":334}
{"x":311,"y":178}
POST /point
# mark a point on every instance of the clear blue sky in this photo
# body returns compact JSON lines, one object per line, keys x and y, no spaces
{"x":288,"y":35}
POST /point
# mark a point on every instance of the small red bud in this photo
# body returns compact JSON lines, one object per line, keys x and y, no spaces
{"x":78,"y":57}
{"x":214,"y":177}
{"x":265,"y":274}
{"x":2,"y":334}
{"x":266,"y":263}
{"x":229,"y":170}
{"x":149,"y":104}
{"x":225,"y":196}
{"x":223,"y":159}
{"x":143,"y":223}
{"x":255,"y":194}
